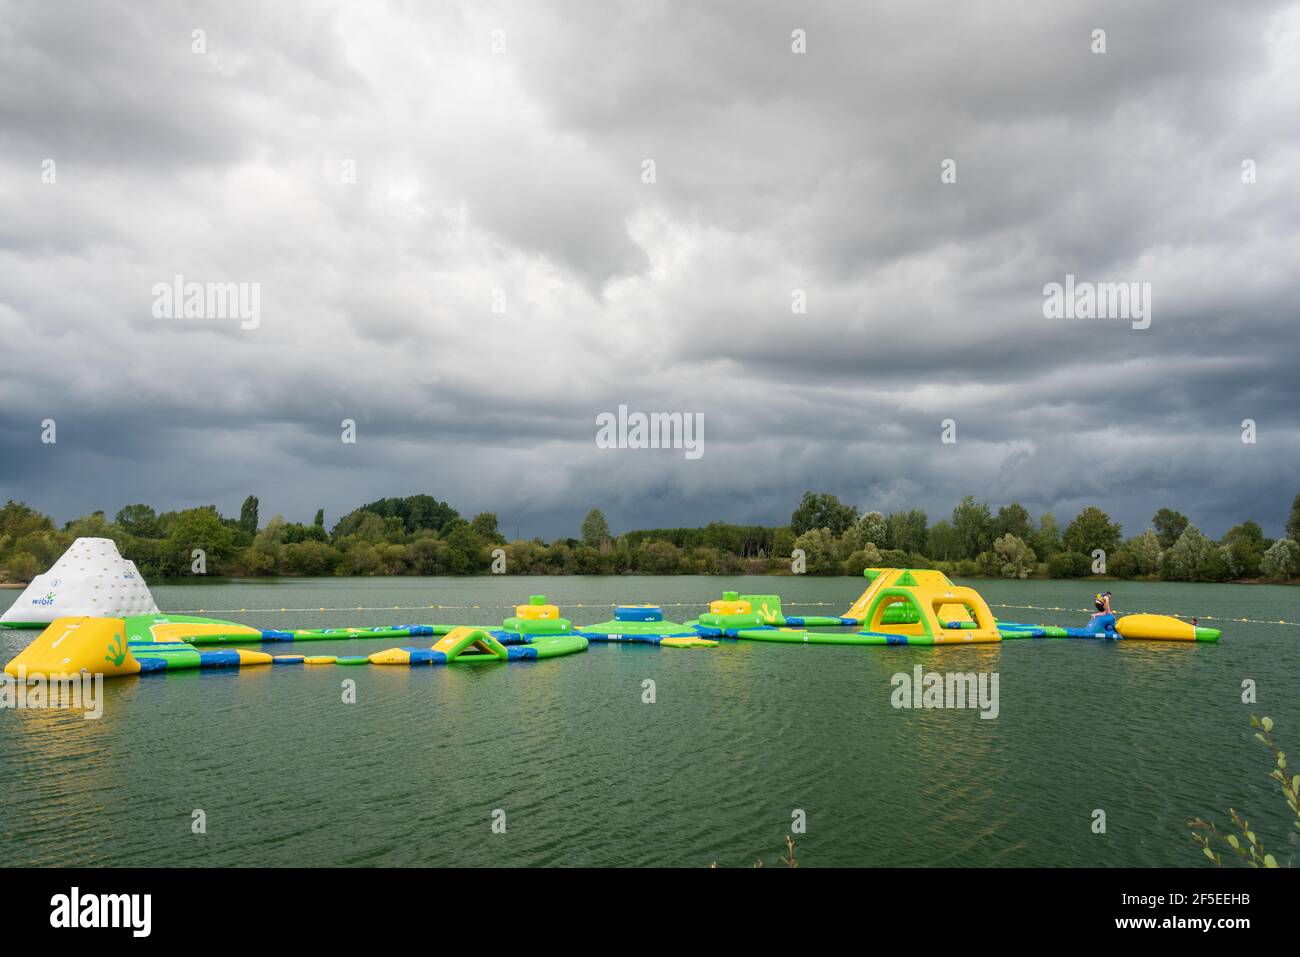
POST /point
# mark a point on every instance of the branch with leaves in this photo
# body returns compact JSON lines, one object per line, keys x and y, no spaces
{"x":1242,"y":842}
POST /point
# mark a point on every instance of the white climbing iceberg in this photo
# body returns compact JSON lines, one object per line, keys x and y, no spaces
{"x":90,"y":578}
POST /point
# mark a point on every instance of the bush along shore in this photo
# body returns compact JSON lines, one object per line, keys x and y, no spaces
{"x":420,"y":535}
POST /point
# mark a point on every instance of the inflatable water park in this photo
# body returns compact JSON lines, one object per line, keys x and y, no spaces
{"x":96,"y":615}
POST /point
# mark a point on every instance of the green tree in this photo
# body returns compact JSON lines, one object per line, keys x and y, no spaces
{"x":248,"y":515}
{"x":485,"y":527}
{"x":310,"y":558}
{"x":866,"y":557}
{"x":368,"y":528}
{"x":1138,"y":557}
{"x":1169,"y":525}
{"x":595,"y":530}
{"x":1214,"y":566}
{"x":1069,"y":565}
{"x":1248,"y":531}
{"x":942,"y":544}
{"x":872,"y":530}
{"x":822,"y":510}
{"x":1243,"y":549}
{"x":139,"y":520}
{"x":21,"y":567}
{"x":1293,"y":521}
{"x":320,"y":518}
{"x":196,"y":528}
{"x":414,"y":512}
{"x":1090,"y":530}
{"x":658,"y":558}
{"x":1183,"y":560}
{"x":464,"y":550}
{"x":296,"y":532}
{"x":18,"y":519}
{"x":1047,"y":540}
{"x":819,"y":552}
{"x":972,"y":525}
{"x":1282,"y":560}
{"x":907,"y":530}
{"x":363,"y":559}
{"x":1014,"y":520}
{"x":94,"y":525}
{"x":782,"y":543}
{"x":1013,"y":558}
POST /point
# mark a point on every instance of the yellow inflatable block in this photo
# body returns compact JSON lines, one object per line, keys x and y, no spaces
{"x":466,"y":640}
{"x":320,"y":659}
{"x":1160,"y":627}
{"x":393,"y":656}
{"x":448,"y":642}
{"x":688,"y":643}
{"x":247,"y":657}
{"x":536,"y":612}
{"x":858,"y":609}
{"x":184,"y":631}
{"x":954,"y":613}
{"x":724,"y":607}
{"x":966,"y":636}
{"x":73,"y":645}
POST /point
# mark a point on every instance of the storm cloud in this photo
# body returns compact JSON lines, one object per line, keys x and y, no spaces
{"x":445,"y":207}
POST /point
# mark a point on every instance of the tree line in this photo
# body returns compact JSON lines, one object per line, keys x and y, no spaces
{"x":421,"y":535}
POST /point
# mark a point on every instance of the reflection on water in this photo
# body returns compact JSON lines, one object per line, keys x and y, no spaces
{"x":739,"y":738}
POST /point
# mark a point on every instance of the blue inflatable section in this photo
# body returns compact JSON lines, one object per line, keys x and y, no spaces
{"x":638,"y":613}
{"x":219,"y":659}
{"x":642,"y":639}
{"x":1103,"y":626}
{"x":510,"y":637}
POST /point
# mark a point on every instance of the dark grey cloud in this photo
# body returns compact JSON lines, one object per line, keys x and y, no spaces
{"x":517,"y":174}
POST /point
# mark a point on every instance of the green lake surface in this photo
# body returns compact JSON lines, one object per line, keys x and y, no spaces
{"x":739,"y":738}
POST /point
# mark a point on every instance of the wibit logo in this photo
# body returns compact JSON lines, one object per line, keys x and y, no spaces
{"x":46,"y":601}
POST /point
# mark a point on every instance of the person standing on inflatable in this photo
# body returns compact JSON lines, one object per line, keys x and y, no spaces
{"x":1102,"y":602}
{"x":1103,"y":619}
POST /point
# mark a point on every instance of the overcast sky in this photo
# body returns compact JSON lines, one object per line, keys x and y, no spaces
{"x":510,"y":165}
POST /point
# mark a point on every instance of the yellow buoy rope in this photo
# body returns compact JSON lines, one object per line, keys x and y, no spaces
{"x":680,"y":604}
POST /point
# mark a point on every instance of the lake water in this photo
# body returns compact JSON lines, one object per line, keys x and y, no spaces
{"x":739,"y":738}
